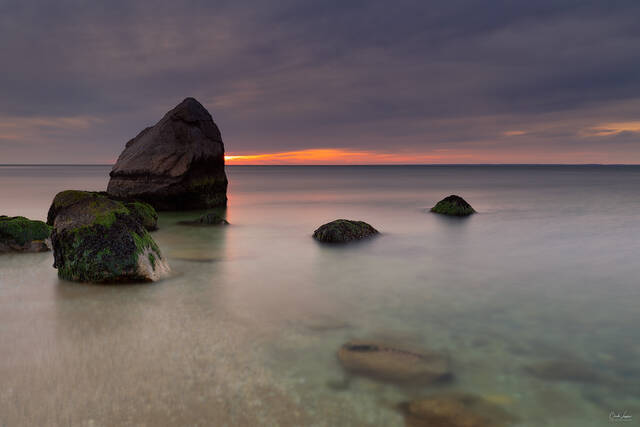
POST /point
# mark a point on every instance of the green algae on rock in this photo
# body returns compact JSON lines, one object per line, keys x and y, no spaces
{"x":20,"y":234}
{"x":146,"y":214}
{"x":454,"y":206}
{"x":343,"y":231}
{"x":395,"y":364}
{"x":210,"y":218}
{"x":97,"y":239}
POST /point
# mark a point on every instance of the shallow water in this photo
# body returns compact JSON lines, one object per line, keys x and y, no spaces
{"x":246,"y":330}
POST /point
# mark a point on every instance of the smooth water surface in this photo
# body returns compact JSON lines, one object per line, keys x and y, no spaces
{"x":246,"y":330}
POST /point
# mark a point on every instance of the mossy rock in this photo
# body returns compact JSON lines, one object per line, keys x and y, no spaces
{"x":455,"y":410}
{"x":145,"y":213}
{"x":388,"y":362}
{"x":454,"y":206}
{"x":210,"y":218}
{"x":100,"y":240}
{"x":343,"y":231}
{"x":20,"y":234}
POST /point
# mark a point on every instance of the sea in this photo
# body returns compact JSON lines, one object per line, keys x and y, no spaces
{"x":535,"y":299}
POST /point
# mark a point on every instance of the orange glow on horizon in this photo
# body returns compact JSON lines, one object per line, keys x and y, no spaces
{"x":323,"y":156}
{"x":608,"y":129}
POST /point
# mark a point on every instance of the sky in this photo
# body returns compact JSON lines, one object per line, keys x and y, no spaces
{"x":326,"y":82}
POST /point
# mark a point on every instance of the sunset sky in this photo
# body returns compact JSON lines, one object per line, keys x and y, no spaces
{"x":327,"y":82}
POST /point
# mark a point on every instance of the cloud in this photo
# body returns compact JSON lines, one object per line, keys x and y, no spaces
{"x":289,"y":76}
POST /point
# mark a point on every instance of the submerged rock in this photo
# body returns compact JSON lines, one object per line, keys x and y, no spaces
{"x":453,"y":205}
{"x":455,"y":410}
{"x":390,"y":363}
{"x":563,"y":370}
{"x":98,"y":239}
{"x":343,"y":230}
{"x":210,"y":218}
{"x":178,"y":164}
{"x":20,"y":234}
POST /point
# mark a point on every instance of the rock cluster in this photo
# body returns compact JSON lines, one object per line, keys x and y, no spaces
{"x":101,"y":240}
{"x":177,"y":164}
{"x":20,"y":234}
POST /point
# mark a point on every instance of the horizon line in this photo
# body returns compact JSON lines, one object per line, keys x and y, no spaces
{"x":351,"y":165}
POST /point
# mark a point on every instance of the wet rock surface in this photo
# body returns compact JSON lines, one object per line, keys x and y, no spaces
{"x":395,"y":364}
{"x":454,"y":206}
{"x":177,"y":164}
{"x":343,"y":231}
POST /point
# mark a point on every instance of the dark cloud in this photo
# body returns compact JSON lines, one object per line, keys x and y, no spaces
{"x":80,"y":78}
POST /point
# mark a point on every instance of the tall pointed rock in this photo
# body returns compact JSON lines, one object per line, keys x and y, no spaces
{"x":178,"y":164}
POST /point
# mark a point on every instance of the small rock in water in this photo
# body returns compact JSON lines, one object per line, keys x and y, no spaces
{"x":210,"y":218}
{"x":343,"y":230}
{"x":563,"y":370}
{"x":454,"y":206}
{"x":20,"y":234}
{"x":455,"y":410}
{"x":390,"y":363}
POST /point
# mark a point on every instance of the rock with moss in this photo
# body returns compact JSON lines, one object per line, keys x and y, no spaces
{"x":177,"y":164}
{"x":20,"y":234}
{"x":145,"y":213}
{"x":101,"y":240}
{"x":454,"y":206}
{"x":343,"y":231}
{"x":210,"y":218}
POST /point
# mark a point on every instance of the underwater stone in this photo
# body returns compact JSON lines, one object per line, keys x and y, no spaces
{"x":98,"y":239}
{"x":454,"y":206}
{"x":563,"y":370}
{"x":455,"y":410}
{"x":343,"y":231}
{"x":20,"y":234}
{"x":391,"y":363}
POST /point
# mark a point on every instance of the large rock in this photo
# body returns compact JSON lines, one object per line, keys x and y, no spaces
{"x":98,"y":239}
{"x":178,"y":164}
{"x":391,"y":363}
{"x":343,"y":231}
{"x":20,"y":234}
{"x":453,"y":205}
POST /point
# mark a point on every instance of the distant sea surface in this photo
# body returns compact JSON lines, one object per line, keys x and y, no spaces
{"x":536,"y":299}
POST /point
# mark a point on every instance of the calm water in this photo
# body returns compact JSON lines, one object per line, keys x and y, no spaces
{"x":246,"y":330}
